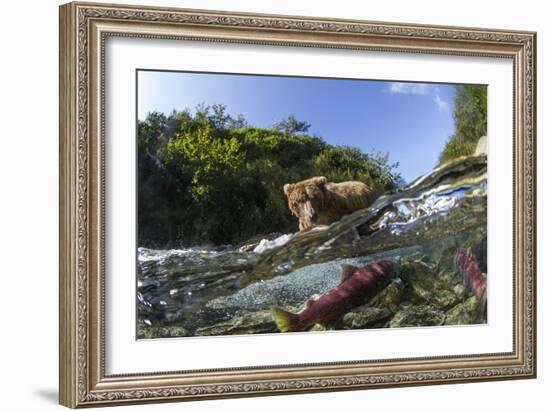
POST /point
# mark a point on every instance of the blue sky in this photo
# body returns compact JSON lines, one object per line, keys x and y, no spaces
{"x":410,"y":121}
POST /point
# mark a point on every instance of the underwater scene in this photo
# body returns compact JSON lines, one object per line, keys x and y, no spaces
{"x":250,"y":226}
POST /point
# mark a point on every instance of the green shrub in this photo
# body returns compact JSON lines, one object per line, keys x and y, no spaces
{"x":470,"y":114}
{"x":209,"y":178}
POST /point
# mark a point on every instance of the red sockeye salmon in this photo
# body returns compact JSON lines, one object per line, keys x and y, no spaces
{"x":474,"y":280}
{"x":356,"y":286}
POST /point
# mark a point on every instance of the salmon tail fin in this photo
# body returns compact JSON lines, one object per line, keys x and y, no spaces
{"x":285,"y":320}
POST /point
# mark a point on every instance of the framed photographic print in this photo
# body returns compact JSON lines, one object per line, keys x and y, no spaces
{"x":259,"y":204}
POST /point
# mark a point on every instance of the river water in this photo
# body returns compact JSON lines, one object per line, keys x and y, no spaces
{"x":198,"y":287}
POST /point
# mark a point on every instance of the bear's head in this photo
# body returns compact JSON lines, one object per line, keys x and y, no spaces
{"x":306,"y":199}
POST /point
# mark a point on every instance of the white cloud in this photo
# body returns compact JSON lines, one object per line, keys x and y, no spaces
{"x":441,"y":104}
{"x":419,"y":89}
{"x":409,"y":88}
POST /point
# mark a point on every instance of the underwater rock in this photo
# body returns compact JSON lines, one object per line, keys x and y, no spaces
{"x":464,"y":313}
{"x":444,"y":298}
{"x":417,"y":316}
{"x":242,"y":323}
{"x":436,"y":288}
{"x":162,"y":331}
{"x":389,"y":298}
{"x":366,"y":317}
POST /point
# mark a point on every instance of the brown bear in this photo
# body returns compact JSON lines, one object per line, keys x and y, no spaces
{"x":315,"y":201}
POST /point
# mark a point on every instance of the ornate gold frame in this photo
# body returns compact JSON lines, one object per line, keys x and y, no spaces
{"x":83,"y":30}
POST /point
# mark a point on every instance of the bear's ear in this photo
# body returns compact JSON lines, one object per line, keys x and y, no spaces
{"x":320,"y":181}
{"x":286,"y":188}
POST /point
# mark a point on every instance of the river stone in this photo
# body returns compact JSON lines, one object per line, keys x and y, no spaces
{"x":389,"y":298}
{"x":464,"y":313}
{"x":443,"y":298}
{"x":417,"y":316}
{"x":366,"y":317}
{"x":162,"y":331}
{"x":436,"y":288}
{"x":242,"y":323}
{"x":319,"y":327}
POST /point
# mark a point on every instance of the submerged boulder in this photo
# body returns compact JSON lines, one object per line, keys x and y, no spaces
{"x":467,"y":312}
{"x":417,"y":316}
{"x":432,"y":283}
{"x":257,"y":322}
{"x":148,"y":332}
{"x":389,"y":298}
{"x":366,"y":317}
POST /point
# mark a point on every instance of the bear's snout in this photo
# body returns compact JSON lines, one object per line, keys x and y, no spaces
{"x":313,"y":218}
{"x":310,"y":212}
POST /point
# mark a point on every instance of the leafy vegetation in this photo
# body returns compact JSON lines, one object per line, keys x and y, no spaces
{"x":470,"y":116}
{"x":210,"y":178}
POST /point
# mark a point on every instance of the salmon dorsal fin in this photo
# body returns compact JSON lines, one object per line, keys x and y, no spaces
{"x":346,"y":271}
